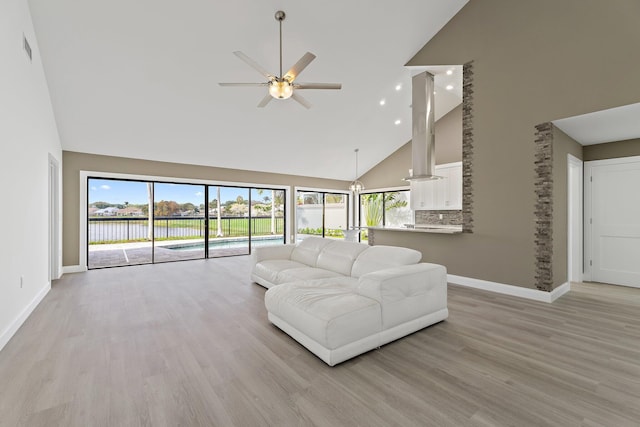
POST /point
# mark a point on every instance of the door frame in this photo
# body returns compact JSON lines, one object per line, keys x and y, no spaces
{"x":575,"y":226}
{"x":54,"y":241}
{"x":588,"y":208}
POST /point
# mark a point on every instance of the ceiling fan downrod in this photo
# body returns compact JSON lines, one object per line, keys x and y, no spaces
{"x":280,"y":15}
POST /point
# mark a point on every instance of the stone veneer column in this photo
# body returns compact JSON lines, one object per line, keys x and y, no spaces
{"x":467,"y":147}
{"x":544,"y":206}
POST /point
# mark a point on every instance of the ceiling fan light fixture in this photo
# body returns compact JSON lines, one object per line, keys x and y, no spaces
{"x":280,"y":89}
{"x":281,"y":86}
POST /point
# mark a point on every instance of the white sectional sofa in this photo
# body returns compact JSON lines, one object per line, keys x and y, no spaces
{"x":340,"y":299}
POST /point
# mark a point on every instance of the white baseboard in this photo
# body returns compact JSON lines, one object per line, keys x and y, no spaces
{"x":516,"y":291}
{"x":6,"y":335}
{"x":74,"y":269}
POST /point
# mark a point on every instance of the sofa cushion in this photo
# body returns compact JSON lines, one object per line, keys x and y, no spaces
{"x":329,"y":311}
{"x":380,"y":257}
{"x":307,"y":251}
{"x":339,"y":256}
{"x":304,"y":273}
{"x":270,"y":269}
{"x":342,"y":281}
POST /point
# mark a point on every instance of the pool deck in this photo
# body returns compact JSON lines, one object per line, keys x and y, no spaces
{"x":122,"y":254}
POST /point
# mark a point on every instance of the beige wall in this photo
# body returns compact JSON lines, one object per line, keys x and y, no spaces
{"x":533,"y":62}
{"x":449,"y":137}
{"x":612,"y":150}
{"x":390,"y":171}
{"x":74,"y":162}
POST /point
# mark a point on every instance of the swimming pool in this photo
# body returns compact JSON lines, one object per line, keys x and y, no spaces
{"x":236,"y":243}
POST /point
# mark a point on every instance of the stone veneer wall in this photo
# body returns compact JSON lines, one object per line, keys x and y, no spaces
{"x":467,"y":147}
{"x":453,"y":217}
{"x":544,"y":206}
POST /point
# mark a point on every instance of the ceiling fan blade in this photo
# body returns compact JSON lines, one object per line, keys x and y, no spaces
{"x":301,"y":100}
{"x":265,"y":101}
{"x":253,"y":64}
{"x":299,"y":66}
{"x":244,"y":84}
{"x":318,"y":86}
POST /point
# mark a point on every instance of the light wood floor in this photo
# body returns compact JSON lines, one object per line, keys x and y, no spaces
{"x":189,"y":344}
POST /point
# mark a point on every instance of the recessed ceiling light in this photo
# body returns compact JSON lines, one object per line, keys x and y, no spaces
{"x":398,"y":86}
{"x":397,"y":122}
{"x":449,"y":72}
{"x":382,"y":102}
{"x":449,"y":87}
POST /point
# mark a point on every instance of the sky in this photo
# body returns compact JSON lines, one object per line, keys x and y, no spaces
{"x":135,"y":192}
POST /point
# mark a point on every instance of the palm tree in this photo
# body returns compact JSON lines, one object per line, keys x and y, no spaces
{"x":219,"y":233}
{"x":150,"y":214}
{"x":273,"y":208}
{"x":375,"y":203}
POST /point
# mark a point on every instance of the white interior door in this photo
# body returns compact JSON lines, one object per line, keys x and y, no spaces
{"x":615,"y":221}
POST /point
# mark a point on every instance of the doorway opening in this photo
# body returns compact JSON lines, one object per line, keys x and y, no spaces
{"x":55,"y":260}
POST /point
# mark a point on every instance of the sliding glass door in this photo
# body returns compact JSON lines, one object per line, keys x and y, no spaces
{"x":179,"y":221}
{"x":138,"y":222}
{"x":267,"y":217}
{"x":228,"y":221}
{"x":321,"y":214}
{"x":336,"y":214}
{"x":118,"y":228}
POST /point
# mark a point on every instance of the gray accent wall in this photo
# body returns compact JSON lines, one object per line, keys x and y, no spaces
{"x":533,"y":63}
{"x":612,"y":150}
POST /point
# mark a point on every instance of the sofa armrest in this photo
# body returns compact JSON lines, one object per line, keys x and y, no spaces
{"x":392,"y":284}
{"x":262,"y":253}
{"x":407,"y":292}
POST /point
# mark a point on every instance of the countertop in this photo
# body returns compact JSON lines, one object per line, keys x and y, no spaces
{"x":441,"y":229}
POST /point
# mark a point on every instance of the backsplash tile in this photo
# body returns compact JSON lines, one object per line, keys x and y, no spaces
{"x":453,"y":217}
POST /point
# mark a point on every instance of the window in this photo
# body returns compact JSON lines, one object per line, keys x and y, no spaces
{"x":385,"y":208}
{"x":319,"y":213}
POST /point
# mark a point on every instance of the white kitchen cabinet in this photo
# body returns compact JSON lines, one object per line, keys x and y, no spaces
{"x":423,"y":195}
{"x":441,"y":194}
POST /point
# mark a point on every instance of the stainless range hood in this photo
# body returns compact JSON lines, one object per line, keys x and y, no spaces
{"x":423,"y":144}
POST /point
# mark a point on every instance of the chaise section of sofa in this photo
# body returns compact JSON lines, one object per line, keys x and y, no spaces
{"x":340,"y":299}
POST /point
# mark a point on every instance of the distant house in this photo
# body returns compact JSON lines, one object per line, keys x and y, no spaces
{"x":110,"y":211}
{"x":92,"y":211}
{"x":130,"y":211}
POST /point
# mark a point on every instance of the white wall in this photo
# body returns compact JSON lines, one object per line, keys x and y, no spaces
{"x":28,"y":134}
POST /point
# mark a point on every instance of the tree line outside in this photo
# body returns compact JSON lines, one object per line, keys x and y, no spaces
{"x":227,"y":219}
{"x":168,"y":208}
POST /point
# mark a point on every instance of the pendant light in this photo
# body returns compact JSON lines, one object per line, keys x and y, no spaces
{"x":356,"y":186}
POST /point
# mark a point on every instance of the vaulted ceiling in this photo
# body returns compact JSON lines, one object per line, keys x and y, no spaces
{"x":140,"y":79}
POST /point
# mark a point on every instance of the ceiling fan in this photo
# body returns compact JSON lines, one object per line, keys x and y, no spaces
{"x":283,"y":86}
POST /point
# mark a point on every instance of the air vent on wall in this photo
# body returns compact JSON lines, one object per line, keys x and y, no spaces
{"x":27,"y":47}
